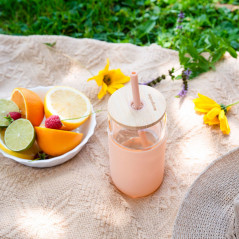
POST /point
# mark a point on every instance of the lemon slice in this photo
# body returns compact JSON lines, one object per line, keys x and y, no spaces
{"x":71,"y":105}
{"x":19,"y":135}
{"x":6,"y":106}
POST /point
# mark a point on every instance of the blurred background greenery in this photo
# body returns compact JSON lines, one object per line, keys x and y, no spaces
{"x":140,"y":22}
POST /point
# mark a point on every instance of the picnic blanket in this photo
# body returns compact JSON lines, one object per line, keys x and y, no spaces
{"x":77,"y":199}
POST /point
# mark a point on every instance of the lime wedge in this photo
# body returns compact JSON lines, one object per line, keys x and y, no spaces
{"x":6,"y":106}
{"x":19,"y":135}
{"x":25,"y":154}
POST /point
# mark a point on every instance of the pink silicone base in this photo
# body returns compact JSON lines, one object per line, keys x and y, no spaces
{"x":134,"y":172}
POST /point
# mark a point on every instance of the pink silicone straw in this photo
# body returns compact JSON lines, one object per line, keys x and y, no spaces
{"x":135,"y":90}
{"x":143,"y":138}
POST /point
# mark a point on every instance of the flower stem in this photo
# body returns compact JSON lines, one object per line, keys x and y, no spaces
{"x":232,"y":104}
{"x":83,"y":115}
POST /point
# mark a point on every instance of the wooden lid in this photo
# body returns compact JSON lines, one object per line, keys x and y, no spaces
{"x":120,"y":107}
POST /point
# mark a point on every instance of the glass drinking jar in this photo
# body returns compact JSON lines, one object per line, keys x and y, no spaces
{"x":137,"y":140}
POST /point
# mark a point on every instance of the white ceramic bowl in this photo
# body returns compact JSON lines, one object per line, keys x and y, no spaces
{"x":87,"y":129}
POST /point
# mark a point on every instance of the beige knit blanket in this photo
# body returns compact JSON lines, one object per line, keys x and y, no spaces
{"x":77,"y":199}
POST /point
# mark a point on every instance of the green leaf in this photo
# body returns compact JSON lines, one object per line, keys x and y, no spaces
{"x":217,"y":55}
{"x":232,"y":52}
{"x":9,"y":118}
{"x":50,"y":44}
{"x":192,"y":51}
{"x":178,"y":77}
{"x":145,"y":28}
{"x":167,"y":44}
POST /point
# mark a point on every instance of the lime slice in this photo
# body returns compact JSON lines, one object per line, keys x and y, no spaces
{"x":19,"y":135}
{"x":26,"y":154}
{"x":6,"y":106}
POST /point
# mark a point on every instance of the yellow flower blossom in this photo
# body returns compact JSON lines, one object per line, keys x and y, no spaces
{"x":109,"y":80}
{"x":204,"y":104}
{"x":214,"y":113}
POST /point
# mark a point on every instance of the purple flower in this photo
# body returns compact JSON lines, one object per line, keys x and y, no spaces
{"x":180,"y":19}
{"x":182,"y":93}
{"x":145,"y":83}
{"x":187,"y":73}
{"x":181,"y":15}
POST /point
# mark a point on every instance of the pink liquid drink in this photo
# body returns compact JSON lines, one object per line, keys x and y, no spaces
{"x":137,"y":138}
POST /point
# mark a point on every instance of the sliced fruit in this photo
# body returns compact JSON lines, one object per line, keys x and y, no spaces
{"x":26,"y":154}
{"x":6,"y":106}
{"x":19,"y":135}
{"x":57,"y":142}
{"x":30,"y":105}
{"x":72,"y":106}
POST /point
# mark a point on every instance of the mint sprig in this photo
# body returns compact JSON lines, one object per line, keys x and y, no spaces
{"x":9,"y":118}
{"x":41,"y":156}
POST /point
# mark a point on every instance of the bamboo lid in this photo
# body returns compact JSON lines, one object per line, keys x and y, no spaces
{"x":153,"y":108}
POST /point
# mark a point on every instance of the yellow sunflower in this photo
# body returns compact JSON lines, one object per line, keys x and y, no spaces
{"x":109,"y":80}
{"x":214,"y":113}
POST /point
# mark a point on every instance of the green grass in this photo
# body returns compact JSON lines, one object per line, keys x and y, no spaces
{"x":139,"y":22}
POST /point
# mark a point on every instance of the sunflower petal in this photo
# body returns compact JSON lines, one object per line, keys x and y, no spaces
{"x":117,"y":76}
{"x":116,"y":85}
{"x":204,"y":104}
{"x":213,"y":112}
{"x":228,"y":108}
{"x":206,"y":99}
{"x":99,"y":79}
{"x":107,"y":66}
{"x":201,"y":110}
{"x":111,"y":90}
{"x":213,"y":121}
{"x":102,"y":91}
{"x":224,"y":126}
{"x":113,"y":87}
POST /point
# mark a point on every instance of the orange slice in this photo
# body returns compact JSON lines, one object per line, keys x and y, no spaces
{"x":57,"y":142}
{"x":71,"y":105}
{"x":30,"y":105}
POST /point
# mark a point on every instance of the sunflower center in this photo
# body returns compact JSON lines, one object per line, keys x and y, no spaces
{"x":107,"y":80}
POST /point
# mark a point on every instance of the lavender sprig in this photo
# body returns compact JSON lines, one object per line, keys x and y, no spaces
{"x":185,"y":76}
{"x":154,"y":81}
{"x":181,"y":16}
{"x":187,"y":73}
{"x":160,"y":78}
{"x":182,"y":93}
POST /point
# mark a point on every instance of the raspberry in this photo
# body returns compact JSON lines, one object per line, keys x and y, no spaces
{"x":14,"y":115}
{"x":53,"y":122}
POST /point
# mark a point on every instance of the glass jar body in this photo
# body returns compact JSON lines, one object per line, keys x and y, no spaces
{"x":137,"y":157}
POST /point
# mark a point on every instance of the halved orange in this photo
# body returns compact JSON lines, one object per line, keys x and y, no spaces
{"x":71,"y":105}
{"x":57,"y":142}
{"x":30,"y":105}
